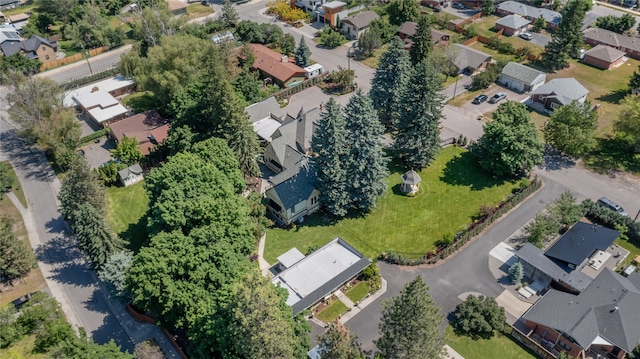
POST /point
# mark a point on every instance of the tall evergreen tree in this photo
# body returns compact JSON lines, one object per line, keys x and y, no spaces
{"x":329,"y":142}
{"x":409,"y":328}
{"x":16,"y":259}
{"x":365,"y":162}
{"x":390,"y":79}
{"x":93,"y":235}
{"x":421,"y":41}
{"x":78,"y":187}
{"x":567,"y":40}
{"x":418,"y":136}
{"x":338,"y":343}
{"x":302,"y":53}
{"x":229,"y":16}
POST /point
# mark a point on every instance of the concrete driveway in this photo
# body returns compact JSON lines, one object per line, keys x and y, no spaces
{"x":539,"y":39}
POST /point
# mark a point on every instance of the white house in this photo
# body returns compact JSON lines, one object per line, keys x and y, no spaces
{"x":130,"y":175}
{"x":521,"y":78}
{"x":356,"y":25}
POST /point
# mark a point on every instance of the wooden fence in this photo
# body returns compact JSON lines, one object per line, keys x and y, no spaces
{"x":290,"y":91}
{"x":531,"y":344}
{"x":73,"y":58}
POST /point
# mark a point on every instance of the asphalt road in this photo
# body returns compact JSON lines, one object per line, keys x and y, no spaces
{"x":81,"y":297}
{"x":80,"y":69}
{"x":601,"y":10}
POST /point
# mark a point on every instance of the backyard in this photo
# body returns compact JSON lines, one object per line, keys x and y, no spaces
{"x":452,"y":191}
{"x":126,"y":213}
{"x":499,"y":346}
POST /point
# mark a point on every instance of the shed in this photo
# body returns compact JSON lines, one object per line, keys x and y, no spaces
{"x":314,"y":70}
{"x":604,"y":57}
{"x":410,"y":182}
{"x":130,"y":175}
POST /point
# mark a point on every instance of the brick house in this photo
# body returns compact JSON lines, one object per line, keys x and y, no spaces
{"x":512,"y":25}
{"x":276,"y":66}
{"x":627,"y":44}
{"x":530,"y":13}
{"x":604,"y":57}
{"x":559,"y":92}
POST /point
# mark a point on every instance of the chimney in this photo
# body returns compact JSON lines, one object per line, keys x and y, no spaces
{"x":94,"y":89}
{"x":285,"y":58}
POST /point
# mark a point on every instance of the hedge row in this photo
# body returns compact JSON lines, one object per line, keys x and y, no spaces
{"x":93,"y":136}
{"x":461,"y":238}
{"x":609,"y":218}
{"x":77,"y":82}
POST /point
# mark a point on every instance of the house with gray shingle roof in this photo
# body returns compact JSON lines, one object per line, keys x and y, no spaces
{"x":521,"y":78}
{"x":604,"y":57}
{"x":355,"y":25}
{"x":469,"y":60}
{"x":559,"y":92}
{"x":512,"y":25}
{"x":290,"y":188}
{"x":602,"y":321}
{"x":630,"y":45}
{"x":528,"y":12}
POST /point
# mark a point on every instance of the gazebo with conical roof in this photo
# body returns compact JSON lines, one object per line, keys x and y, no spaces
{"x":410,"y":182}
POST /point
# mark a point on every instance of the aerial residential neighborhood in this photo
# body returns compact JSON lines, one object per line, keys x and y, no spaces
{"x":319,"y":179}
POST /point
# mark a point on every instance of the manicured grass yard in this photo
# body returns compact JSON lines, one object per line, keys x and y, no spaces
{"x":358,"y":292}
{"x":632,"y":248}
{"x":17,"y":188}
{"x":499,"y":346}
{"x":453,"y":189}
{"x":22,"y":349}
{"x":332,"y":311}
{"x":126,"y":213}
{"x":198,"y":10}
{"x":141,"y":101}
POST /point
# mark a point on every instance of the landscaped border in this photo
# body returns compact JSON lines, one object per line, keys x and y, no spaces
{"x":464,"y":236}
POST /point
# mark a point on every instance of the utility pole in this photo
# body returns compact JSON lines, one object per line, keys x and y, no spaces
{"x":86,"y":56}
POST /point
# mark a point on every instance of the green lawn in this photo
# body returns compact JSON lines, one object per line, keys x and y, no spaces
{"x":141,"y":101}
{"x":453,"y":189}
{"x":358,"y":292}
{"x":499,"y":346}
{"x":198,"y":10}
{"x":332,"y":311}
{"x":22,"y":349}
{"x":633,"y":249}
{"x":17,"y":188}
{"x":126,"y":213}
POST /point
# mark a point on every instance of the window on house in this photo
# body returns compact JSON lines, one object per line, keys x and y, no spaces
{"x":46,"y":57}
{"x":565,"y":346}
{"x":44,"y":48}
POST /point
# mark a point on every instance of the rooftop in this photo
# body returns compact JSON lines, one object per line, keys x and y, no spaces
{"x":274,"y":63}
{"x":513,"y":21}
{"x":319,"y":273}
{"x":530,"y":11}
{"x":521,"y":72}
{"x":468,"y":57}
{"x":334,"y":4}
{"x":606,"y":53}
{"x":73,"y":97}
{"x":612,"y":38}
{"x":362,"y":19}
{"x":579,"y":243}
{"x":564,"y":89}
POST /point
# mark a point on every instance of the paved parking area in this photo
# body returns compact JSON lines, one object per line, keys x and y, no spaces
{"x":486,"y":107}
{"x":98,"y":153}
{"x":513,"y":306}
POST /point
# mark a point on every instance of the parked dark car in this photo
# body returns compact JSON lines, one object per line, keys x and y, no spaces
{"x":607,"y":203}
{"x":498,"y":97}
{"x":457,"y":5}
{"x":480,"y":99}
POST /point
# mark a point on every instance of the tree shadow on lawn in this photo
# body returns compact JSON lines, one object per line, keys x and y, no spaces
{"x":614,"y":97}
{"x":463,"y":170}
{"x":136,"y":234}
{"x":613,"y":154}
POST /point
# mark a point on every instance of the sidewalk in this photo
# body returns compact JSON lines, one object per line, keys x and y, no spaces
{"x":138,"y":332}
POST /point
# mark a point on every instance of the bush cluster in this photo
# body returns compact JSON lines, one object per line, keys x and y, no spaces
{"x":501,"y":46}
{"x":611,"y":219}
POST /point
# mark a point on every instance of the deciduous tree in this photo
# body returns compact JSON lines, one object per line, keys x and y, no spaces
{"x":329,"y":143}
{"x":479,"y":317}
{"x":628,"y":123}
{"x":389,"y":81}
{"x":369,"y":41}
{"x":365,"y":161}
{"x":618,"y":24}
{"x":418,"y":135}
{"x":488,"y":7}
{"x":510,"y":145}
{"x":338,"y":343}
{"x":128,"y":151}
{"x":409,"y":328}
{"x":571,"y":129}
{"x":400,"y":11}
{"x":302,"y":53}
{"x":17,"y":259}
{"x":422,"y":44}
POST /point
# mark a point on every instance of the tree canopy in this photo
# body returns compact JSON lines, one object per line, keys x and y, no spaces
{"x":389,"y":81}
{"x":338,"y":343}
{"x":93,"y":235}
{"x":618,"y":24}
{"x":571,"y":129}
{"x":422,"y":44}
{"x":128,"y":151}
{"x":628,"y":123}
{"x":302,"y":53}
{"x":566,"y":40}
{"x":17,"y":259}
{"x":479,"y":317}
{"x":409,"y":328}
{"x":79,"y":187}
{"x":400,"y":11}
{"x":510,"y":145}
{"x":418,"y":135}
